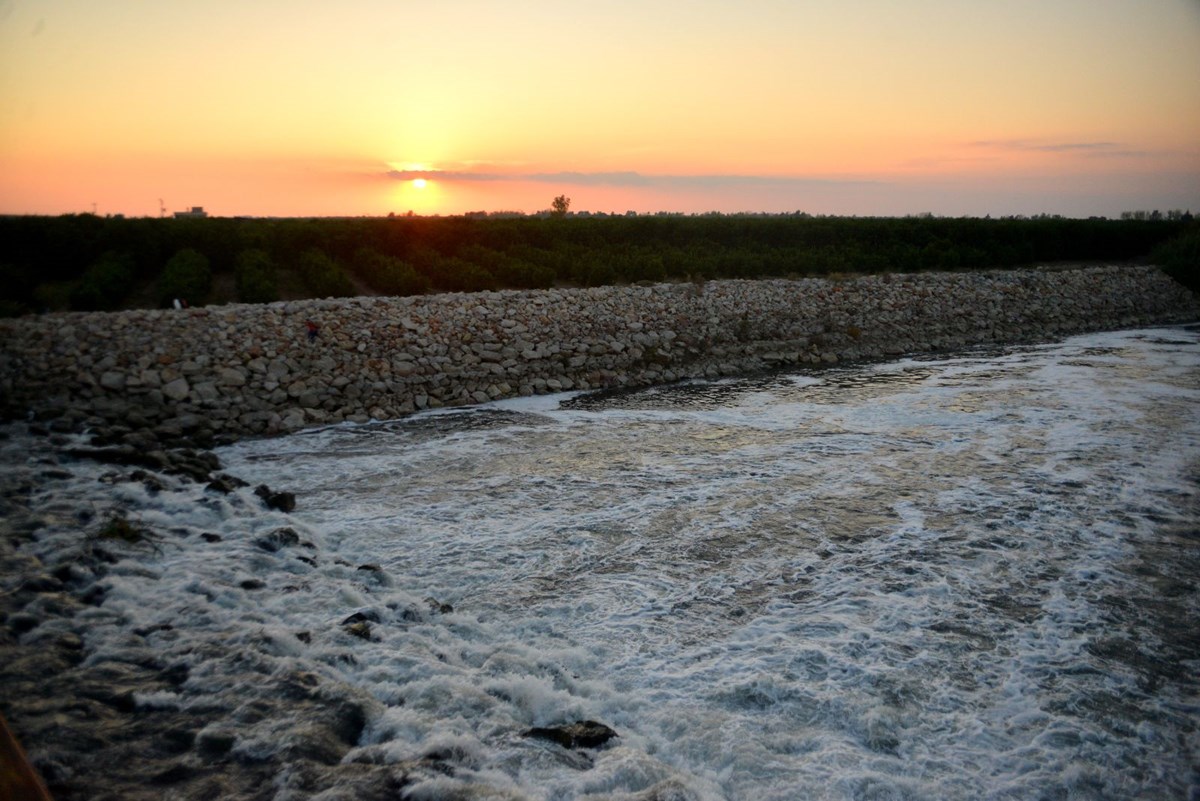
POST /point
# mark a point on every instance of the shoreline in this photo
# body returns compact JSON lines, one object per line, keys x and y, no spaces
{"x":148,"y":379}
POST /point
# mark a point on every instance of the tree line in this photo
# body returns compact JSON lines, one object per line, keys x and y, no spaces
{"x":86,"y":262}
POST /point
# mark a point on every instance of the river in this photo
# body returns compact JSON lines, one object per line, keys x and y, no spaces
{"x":964,"y":576}
{"x":956,"y":577}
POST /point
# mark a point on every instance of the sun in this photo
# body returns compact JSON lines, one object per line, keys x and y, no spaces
{"x":419,"y":183}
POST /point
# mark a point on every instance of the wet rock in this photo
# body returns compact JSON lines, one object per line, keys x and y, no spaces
{"x":225,"y":484}
{"x":580,"y":734}
{"x":196,"y":465}
{"x":437,"y":607}
{"x":278,"y":539}
{"x":362,"y":616}
{"x":208,"y":536}
{"x":362,"y":630}
{"x":283,"y":501}
{"x":253,"y":584}
{"x":142,"y":440}
{"x":151,"y":482}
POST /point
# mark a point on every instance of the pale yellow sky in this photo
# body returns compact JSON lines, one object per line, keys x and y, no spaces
{"x":855,"y":107}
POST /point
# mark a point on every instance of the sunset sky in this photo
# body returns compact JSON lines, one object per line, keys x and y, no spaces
{"x":869,"y":107}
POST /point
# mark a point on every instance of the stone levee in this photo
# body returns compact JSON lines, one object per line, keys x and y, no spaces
{"x":224,"y":372}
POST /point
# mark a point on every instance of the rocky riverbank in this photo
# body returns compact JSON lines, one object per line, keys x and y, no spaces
{"x":221,"y":373}
{"x":116,"y":700}
{"x":148,"y":647}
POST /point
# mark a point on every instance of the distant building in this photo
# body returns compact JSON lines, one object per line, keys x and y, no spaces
{"x":197,"y":211}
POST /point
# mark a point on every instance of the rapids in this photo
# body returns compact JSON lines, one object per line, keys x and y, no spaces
{"x":959,"y":576}
{"x":956,"y":577}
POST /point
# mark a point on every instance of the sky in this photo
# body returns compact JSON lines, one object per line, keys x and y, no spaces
{"x":370,"y":107}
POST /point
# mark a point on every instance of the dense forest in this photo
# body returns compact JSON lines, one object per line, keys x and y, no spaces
{"x":87,"y":262}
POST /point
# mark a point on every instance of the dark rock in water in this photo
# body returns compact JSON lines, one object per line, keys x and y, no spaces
{"x":361,"y":629}
{"x":142,"y":439}
{"x":253,"y":584}
{"x":438,"y":607}
{"x":304,"y":637}
{"x":233,"y":480}
{"x":375,"y":575}
{"x":152,"y":483}
{"x":283,"y":501}
{"x":362,"y":616}
{"x":206,"y":459}
{"x":580,"y":734}
{"x":223,"y":484}
{"x":278,"y":539}
{"x":196,"y":465}
{"x":210,"y":537}
{"x":359,"y":623}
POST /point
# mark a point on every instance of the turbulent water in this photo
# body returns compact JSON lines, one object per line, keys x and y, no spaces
{"x":940,"y":578}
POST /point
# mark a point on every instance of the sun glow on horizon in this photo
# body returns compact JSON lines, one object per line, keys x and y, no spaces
{"x":858,"y":108}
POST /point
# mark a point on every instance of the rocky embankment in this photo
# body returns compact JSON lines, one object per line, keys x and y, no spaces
{"x":220,"y":373}
{"x":194,"y":705}
{"x":186,"y":704}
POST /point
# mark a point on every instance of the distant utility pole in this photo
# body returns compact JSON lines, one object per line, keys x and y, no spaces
{"x":162,"y":208}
